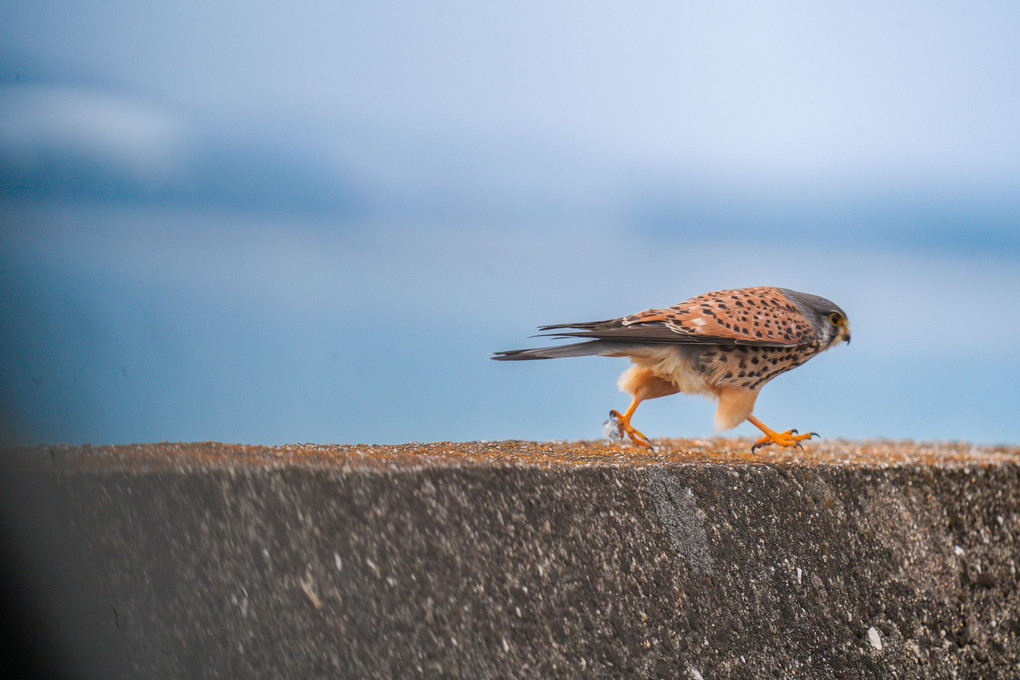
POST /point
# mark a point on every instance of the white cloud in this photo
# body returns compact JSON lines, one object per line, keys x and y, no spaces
{"x":792,"y":90}
{"x":123,"y":132}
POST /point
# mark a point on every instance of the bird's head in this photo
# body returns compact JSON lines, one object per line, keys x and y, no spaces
{"x":837,"y":327}
{"x":829,"y":320}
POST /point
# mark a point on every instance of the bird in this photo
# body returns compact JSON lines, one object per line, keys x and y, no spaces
{"x":724,"y":344}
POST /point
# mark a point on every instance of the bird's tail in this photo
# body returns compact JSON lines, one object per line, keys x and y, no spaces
{"x":578,"y":349}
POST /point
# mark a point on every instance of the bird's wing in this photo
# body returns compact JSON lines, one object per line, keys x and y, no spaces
{"x":751,"y":316}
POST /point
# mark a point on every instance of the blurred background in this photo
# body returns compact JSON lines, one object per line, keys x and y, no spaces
{"x":312,"y":222}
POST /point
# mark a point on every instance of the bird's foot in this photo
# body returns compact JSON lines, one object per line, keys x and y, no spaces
{"x":788,"y":438}
{"x":619,"y":425}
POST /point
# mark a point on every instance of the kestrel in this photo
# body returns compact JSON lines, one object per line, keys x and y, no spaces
{"x":725,"y":344}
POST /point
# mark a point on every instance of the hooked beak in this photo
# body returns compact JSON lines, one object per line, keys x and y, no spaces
{"x":846,"y":335}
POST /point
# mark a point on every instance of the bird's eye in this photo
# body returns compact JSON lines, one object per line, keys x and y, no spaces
{"x":835,"y":318}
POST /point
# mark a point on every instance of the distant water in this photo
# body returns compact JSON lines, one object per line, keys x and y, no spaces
{"x":134,"y":325}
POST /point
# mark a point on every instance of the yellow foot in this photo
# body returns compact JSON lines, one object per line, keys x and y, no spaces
{"x":788,"y":438}
{"x":623,"y":427}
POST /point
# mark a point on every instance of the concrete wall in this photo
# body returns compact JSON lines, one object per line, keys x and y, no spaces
{"x":517,"y":559}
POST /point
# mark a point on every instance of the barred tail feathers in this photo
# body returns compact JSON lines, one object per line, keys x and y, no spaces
{"x":578,"y":349}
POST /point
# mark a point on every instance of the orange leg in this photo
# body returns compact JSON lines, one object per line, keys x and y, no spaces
{"x":623,"y":425}
{"x":788,"y":438}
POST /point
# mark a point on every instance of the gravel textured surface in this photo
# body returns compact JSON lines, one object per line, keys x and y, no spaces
{"x":519,"y":559}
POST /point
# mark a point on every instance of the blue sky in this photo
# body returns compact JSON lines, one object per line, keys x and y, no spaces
{"x":261,"y":223}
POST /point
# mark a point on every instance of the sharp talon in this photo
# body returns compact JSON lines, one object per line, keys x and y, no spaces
{"x":791,"y":438}
{"x":624,"y":428}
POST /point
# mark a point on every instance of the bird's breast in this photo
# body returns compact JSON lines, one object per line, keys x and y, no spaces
{"x":749,"y":367}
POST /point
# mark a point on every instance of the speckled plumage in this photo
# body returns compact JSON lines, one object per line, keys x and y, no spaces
{"x":725,"y":344}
